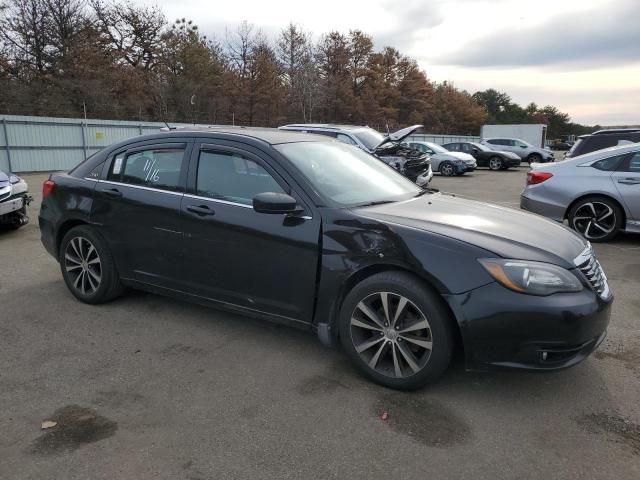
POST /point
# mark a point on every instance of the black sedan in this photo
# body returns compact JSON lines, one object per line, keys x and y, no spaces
{"x":485,"y":156}
{"x":310,"y":232}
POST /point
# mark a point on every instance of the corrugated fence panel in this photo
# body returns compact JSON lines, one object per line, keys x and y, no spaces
{"x":49,"y":143}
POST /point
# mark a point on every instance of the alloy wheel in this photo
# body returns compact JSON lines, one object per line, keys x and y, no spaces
{"x":82,"y":263}
{"x":594,"y":220}
{"x":391,"y":335}
{"x":495,"y":163}
{"x":446,"y":169}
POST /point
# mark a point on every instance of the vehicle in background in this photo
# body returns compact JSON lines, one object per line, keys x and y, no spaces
{"x":561,"y":145}
{"x":524,"y":150}
{"x":306,"y":231}
{"x":603,"y":139}
{"x":485,"y":156}
{"x":443,"y":161}
{"x":598,"y":193}
{"x":413,"y":164}
{"x":14,"y":198}
{"x":533,"y":133}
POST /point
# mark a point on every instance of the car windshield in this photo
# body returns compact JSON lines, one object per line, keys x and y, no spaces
{"x":369,"y":137}
{"x":347,"y":175}
{"x":437,"y":148}
{"x":482,"y":147}
{"x":574,"y":146}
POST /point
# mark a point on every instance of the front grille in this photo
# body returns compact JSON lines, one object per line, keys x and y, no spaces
{"x":592,"y":270}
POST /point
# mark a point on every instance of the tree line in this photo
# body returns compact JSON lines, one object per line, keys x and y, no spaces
{"x":118,"y":60}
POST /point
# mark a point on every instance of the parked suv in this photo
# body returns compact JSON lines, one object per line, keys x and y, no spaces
{"x":603,"y":139}
{"x":523,"y":149}
{"x":413,"y":164}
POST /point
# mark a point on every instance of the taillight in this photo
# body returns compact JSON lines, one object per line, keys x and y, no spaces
{"x":533,"y":178}
{"x":47,"y":188}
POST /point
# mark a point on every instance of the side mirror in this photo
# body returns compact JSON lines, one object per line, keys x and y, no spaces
{"x":272,"y":202}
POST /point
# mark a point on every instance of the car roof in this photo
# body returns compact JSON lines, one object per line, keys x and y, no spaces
{"x":322,"y":126}
{"x":616,"y":130}
{"x":272,"y":136}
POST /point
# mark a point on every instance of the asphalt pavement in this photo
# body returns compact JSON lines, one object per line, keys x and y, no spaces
{"x":148,"y":387}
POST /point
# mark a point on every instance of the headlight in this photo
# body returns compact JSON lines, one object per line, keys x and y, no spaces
{"x":533,"y":278}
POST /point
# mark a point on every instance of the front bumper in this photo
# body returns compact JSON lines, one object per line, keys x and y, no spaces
{"x":424,"y":179}
{"x":512,"y":162}
{"x":505,"y":329}
{"x":11,"y":205}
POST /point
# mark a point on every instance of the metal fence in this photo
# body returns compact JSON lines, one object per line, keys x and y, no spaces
{"x":31,"y":144}
{"x":442,"y":139}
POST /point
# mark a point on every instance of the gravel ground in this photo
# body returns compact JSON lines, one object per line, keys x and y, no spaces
{"x":148,"y":387}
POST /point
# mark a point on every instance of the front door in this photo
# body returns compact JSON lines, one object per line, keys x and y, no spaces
{"x":137,"y":209}
{"x":233,"y":254}
{"x":627,"y":181}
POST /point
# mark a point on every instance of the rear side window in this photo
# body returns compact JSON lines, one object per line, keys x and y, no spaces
{"x":498,"y":141}
{"x":634,"y":163}
{"x":156,"y":167}
{"x":233,"y":178}
{"x":608,"y":164}
{"x":452,"y":147}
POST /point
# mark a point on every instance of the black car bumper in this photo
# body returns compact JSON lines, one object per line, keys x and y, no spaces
{"x":512,"y":162}
{"x":48,"y":236}
{"x":505,"y":329}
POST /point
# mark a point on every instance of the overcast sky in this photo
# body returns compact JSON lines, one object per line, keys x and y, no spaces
{"x":582,"y":56}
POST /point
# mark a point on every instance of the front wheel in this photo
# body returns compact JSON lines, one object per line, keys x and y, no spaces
{"x":87,"y":266}
{"x":598,"y":219}
{"x":495,"y":163}
{"x":396,"y":330}
{"x":534,"y":158}
{"x":447,"y":169}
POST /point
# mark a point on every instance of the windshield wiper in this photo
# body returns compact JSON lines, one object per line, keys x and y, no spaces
{"x":377,"y":202}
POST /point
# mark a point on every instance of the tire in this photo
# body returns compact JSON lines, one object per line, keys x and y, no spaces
{"x":447,"y":169}
{"x":459,"y":174}
{"x":496,"y":163}
{"x":596,"y":218}
{"x":417,"y":361}
{"x":79,"y":249}
{"x":534,"y":158}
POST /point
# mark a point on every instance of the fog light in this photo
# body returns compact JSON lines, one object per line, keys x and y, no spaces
{"x":544,"y":356}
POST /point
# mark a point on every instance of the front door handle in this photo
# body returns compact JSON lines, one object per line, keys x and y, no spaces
{"x":113,"y":192}
{"x":629,"y":181}
{"x":201,"y":210}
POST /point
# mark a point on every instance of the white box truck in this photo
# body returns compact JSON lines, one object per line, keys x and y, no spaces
{"x":533,"y":133}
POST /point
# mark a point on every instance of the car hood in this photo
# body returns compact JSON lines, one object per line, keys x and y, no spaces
{"x":508,"y":154}
{"x":398,"y":136}
{"x":458,"y":155}
{"x":504,"y":231}
{"x":4,"y":176}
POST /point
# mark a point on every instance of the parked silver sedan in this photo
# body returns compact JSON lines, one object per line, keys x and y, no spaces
{"x":598,"y":193}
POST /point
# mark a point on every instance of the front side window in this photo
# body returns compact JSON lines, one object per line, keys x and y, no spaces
{"x":453,"y":147}
{"x":496,"y":141}
{"x":156,"y":167}
{"x":233,"y":178}
{"x":347,"y":176}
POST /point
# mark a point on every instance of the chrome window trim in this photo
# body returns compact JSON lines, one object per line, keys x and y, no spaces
{"x":217,"y":200}
{"x":141,"y":187}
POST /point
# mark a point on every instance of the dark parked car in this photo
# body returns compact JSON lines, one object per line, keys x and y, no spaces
{"x":603,"y":139}
{"x":561,"y":145}
{"x":485,"y":156}
{"x":413,"y":164}
{"x":310,"y":232}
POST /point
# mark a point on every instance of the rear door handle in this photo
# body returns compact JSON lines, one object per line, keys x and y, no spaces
{"x":113,"y":192}
{"x":629,"y":181}
{"x":201,"y":210}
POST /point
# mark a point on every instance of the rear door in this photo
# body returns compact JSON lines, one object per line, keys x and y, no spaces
{"x":627,"y":181}
{"x":137,"y":207}
{"x":235,"y":255}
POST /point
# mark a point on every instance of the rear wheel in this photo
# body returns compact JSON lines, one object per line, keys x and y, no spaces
{"x":87,"y":266}
{"x":447,"y":169}
{"x":598,"y":219}
{"x":534,"y":158}
{"x":496,"y":163}
{"x":396,"y":330}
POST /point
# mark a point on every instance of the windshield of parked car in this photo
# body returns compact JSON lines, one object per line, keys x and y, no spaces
{"x":482,"y":147}
{"x":347,"y":175}
{"x":436,"y":148}
{"x":369,"y":137}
